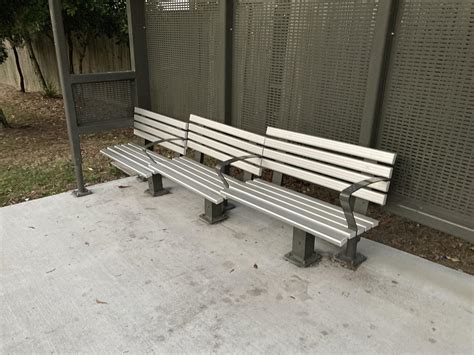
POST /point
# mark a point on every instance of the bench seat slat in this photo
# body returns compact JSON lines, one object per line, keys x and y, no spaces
{"x":129,"y":164}
{"x":285,"y":216}
{"x":326,"y":169}
{"x":311,"y":202}
{"x":332,"y":145}
{"x":373,"y":196}
{"x":322,"y":218}
{"x":329,"y":157}
{"x":221,"y":156}
{"x":168,"y":120}
{"x":171,"y":173}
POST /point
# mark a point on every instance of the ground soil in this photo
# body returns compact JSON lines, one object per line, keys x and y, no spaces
{"x":35,"y":162}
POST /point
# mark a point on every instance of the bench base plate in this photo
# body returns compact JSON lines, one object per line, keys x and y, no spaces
{"x":78,"y":193}
{"x":203,"y":217}
{"x":302,"y":263}
{"x":157,"y":193}
{"x":348,"y":262}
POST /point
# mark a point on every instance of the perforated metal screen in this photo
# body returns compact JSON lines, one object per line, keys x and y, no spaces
{"x":428,"y":112}
{"x":103,"y":101}
{"x":184,"y":45}
{"x":302,"y":65}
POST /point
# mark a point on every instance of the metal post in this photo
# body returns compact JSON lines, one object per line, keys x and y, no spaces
{"x":228,"y":60}
{"x":277,"y":178}
{"x":155,"y":185}
{"x":213,"y":213}
{"x":302,"y":253}
{"x":378,"y":64}
{"x":350,"y":258}
{"x":55,"y":9}
{"x":138,"y":51}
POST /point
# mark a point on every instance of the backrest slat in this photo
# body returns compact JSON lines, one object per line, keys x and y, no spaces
{"x":224,"y":142}
{"x":153,"y":127}
{"x":329,"y":163}
{"x":333,"y":145}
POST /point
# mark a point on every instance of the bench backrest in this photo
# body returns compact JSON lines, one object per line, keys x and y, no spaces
{"x":329,"y":163}
{"x":153,"y":126}
{"x":224,"y":142}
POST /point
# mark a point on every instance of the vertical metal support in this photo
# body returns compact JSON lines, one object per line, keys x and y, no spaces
{"x":247,"y":176}
{"x":378,"y":64}
{"x":138,"y":51}
{"x":213,"y":213}
{"x":277,"y":178}
{"x":229,"y":47}
{"x":199,"y":157}
{"x":350,"y":257}
{"x":55,"y":9}
{"x":302,"y":253}
{"x":155,"y":185}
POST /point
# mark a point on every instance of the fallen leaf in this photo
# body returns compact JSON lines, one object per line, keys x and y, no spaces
{"x":255,"y":266}
{"x":456,"y":260}
{"x":90,"y":169}
{"x":87,"y":243}
{"x":100,"y":302}
{"x":50,"y":270}
{"x":231,"y":271}
{"x":293,"y":297}
{"x":123,"y":186}
{"x":31,"y":227}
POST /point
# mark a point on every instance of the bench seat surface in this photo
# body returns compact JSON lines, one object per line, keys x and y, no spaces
{"x":314,"y":216}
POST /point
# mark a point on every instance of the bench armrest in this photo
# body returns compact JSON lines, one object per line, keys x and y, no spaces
{"x":347,"y":201}
{"x":146,"y":146}
{"x":220,"y":167}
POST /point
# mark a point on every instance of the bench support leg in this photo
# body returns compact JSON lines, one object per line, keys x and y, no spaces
{"x":302,"y":253}
{"x":213,"y":213}
{"x":350,"y":257}
{"x":155,"y":185}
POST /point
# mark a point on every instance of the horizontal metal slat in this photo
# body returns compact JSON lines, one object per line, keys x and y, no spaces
{"x":188,"y":183}
{"x":176,"y":148}
{"x":328,"y":157}
{"x":221,"y":156}
{"x":336,"y":172}
{"x":168,"y":120}
{"x":161,"y":126}
{"x":324,"y":220}
{"x":373,"y":196}
{"x":227,"y":139}
{"x":227,"y":129}
{"x":126,"y":162}
{"x":310,"y":201}
{"x":333,"y":145}
{"x":222,"y":147}
{"x":281,"y":215}
{"x":158,"y":133}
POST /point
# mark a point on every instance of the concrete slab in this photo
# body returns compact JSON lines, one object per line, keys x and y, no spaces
{"x":120,"y":271}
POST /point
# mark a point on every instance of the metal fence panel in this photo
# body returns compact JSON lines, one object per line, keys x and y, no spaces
{"x":428,"y":111}
{"x":302,"y":65}
{"x":185,"y":48}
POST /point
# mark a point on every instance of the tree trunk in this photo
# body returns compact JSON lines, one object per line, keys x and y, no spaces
{"x":18,"y":68}
{"x":3,"y":120}
{"x":34,"y":60}
{"x":71,"y":53}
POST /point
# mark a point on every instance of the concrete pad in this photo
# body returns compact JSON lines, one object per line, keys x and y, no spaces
{"x":120,"y":271}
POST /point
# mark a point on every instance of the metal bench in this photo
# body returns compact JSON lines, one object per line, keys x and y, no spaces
{"x":221,"y":142}
{"x":353,"y":170}
{"x":156,"y":129}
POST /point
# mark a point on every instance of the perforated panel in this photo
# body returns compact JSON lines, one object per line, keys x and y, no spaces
{"x":302,"y":65}
{"x":103,"y":101}
{"x":184,"y":42}
{"x":428,"y":112}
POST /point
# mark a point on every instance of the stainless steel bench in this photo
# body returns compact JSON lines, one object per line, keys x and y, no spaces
{"x":221,"y":142}
{"x":352,"y":170}
{"x":158,"y":130}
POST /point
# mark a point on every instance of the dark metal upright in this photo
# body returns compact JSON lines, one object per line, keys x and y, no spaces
{"x":55,"y":9}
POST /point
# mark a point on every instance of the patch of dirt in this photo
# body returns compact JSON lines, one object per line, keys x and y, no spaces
{"x":39,"y":140}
